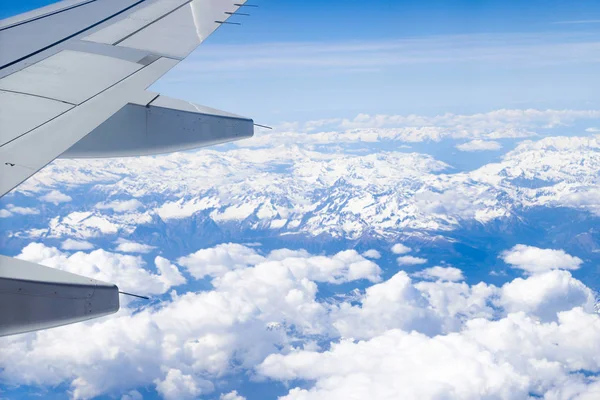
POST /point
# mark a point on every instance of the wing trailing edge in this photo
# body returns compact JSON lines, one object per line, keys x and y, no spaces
{"x":34,"y":297}
{"x":162,"y":126}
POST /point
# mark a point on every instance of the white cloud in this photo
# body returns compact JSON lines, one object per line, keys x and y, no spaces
{"x":178,"y":345}
{"x":592,"y":130}
{"x":344,"y":266}
{"x":71,"y":244}
{"x":545,"y":294}
{"x":120,"y":206}
{"x":55,"y":197}
{"x":125,"y":271}
{"x":24,"y":210}
{"x":457,"y":302}
{"x":510,"y":358}
{"x":586,"y":199}
{"x":533,"y":259}
{"x":233,"y":395}
{"x":126,"y":246}
{"x":372,"y":253}
{"x":399,"y":364}
{"x":169,"y":273}
{"x":132,"y":395}
{"x":11,"y":209}
{"x":399,"y":248}
{"x":479,"y":145}
{"x":419,"y":340}
{"x":410,"y":260}
{"x":395,"y":303}
{"x":177,"y":385}
{"x":442,"y":273}
{"x":482,"y":128}
{"x":218,"y":260}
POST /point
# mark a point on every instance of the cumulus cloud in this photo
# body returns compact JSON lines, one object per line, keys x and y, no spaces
{"x":127,"y":246}
{"x":479,"y":145}
{"x":11,"y":209}
{"x":71,"y":244}
{"x":545,"y":294}
{"x":132,"y":395}
{"x":395,"y":303}
{"x":56,"y":197}
{"x":587,"y":198}
{"x":399,"y":338}
{"x":126,"y":271}
{"x":442,"y":273}
{"x":510,"y":358}
{"x":233,"y":395}
{"x":120,"y":206}
{"x":533,"y":259}
{"x":175,"y":344}
{"x":218,"y":260}
{"x":177,"y":385}
{"x":410,"y":260}
{"x":342,"y":267}
{"x":398,"y":364}
{"x":23,"y":210}
{"x":457,"y":302}
{"x":399,"y":248}
{"x":372,"y":253}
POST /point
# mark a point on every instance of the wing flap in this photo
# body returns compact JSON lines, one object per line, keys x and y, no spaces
{"x":29,"y":153}
{"x":99,"y":82}
{"x":34,"y":297}
{"x":77,"y":73}
{"x":163,"y":126}
{"x":20,"y":113}
{"x":69,"y":76}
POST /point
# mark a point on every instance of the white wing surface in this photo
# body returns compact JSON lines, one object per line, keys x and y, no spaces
{"x":73,"y":79}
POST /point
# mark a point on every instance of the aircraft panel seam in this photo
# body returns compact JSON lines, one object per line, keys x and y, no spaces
{"x":49,"y":14}
{"x":72,"y":35}
{"x":74,"y":106}
{"x":150,"y":23}
{"x":37,"y":95}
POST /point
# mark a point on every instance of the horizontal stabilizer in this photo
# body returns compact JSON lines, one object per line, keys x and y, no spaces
{"x":164,"y":125}
{"x":34,"y":297}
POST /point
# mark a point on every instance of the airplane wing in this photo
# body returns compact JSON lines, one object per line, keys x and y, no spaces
{"x":73,"y":79}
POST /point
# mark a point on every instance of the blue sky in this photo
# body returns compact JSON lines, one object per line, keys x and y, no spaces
{"x":297,"y":61}
{"x":341,"y":58}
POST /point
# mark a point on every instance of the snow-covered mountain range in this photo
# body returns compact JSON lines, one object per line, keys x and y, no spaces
{"x":289,"y":190}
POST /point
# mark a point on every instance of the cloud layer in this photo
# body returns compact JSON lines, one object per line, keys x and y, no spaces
{"x":402,"y":337}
